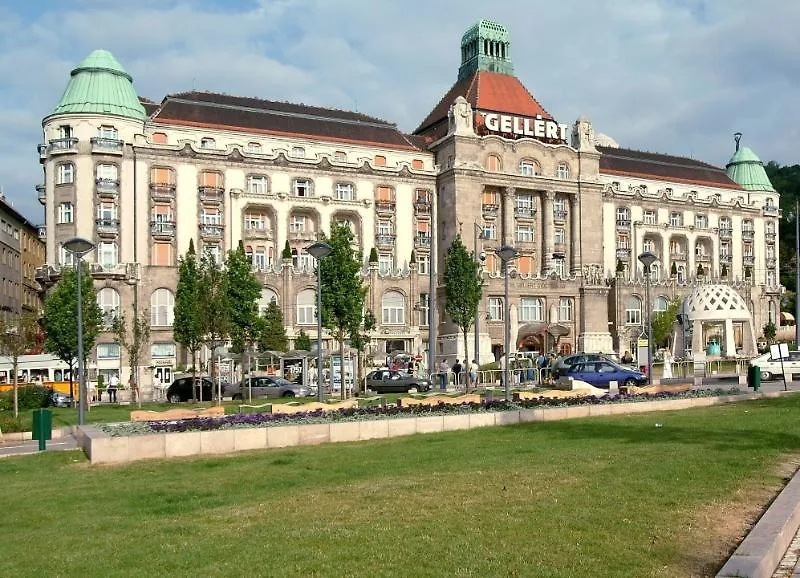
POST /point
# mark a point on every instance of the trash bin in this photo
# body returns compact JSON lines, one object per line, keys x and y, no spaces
{"x":754,"y":377}
{"x":42,"y":429}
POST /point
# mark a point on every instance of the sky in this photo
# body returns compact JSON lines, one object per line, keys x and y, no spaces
{"x":672,"y":76}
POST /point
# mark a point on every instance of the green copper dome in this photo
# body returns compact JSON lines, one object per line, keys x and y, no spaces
{"x":100,"y":85}
{"x":747,"y":170}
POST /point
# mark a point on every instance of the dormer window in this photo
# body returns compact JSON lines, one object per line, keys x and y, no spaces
{"x":380,"y":161}
{"x":340,"y":156}
{"x":302,"y":188}
{"x":254,"y":147}
{"x":299,"y":152}
{"x":208,"y":143}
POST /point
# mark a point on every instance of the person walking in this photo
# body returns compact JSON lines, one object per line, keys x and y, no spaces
{"x":113,"y":385}
{"x":443,"y":369}
{"x":457,"y":374}
{"x":473,"y":373}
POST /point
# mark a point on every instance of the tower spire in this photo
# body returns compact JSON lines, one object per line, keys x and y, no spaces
{"x":485,"y":46}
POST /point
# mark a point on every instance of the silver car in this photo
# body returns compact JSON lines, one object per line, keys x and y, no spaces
{"x":266,"y":386}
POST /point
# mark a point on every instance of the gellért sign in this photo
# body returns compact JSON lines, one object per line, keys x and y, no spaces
{"x":537,"y":127}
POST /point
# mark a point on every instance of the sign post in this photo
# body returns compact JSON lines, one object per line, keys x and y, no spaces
{"x":780,"y":351}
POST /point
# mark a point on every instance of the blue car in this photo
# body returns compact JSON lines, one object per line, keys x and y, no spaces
{"x":600,"y":373}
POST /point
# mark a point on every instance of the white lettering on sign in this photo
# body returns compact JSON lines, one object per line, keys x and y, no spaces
{"x":537,"y":127}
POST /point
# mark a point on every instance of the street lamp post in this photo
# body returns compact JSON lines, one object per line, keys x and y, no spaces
{"x":478,"y":235}
{"x":319,"y":251}
{"x":647,"y":259}
{"x":506,"y":254}
{"x":79,"y":247}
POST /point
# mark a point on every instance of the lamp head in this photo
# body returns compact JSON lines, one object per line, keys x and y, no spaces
{"x":319,"y":250}
{"x":79,"y":246}
{"x":647,"y":259}
{"x":506,"y":253}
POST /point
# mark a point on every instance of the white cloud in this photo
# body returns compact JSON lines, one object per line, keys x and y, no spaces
{"x":676,"y":76}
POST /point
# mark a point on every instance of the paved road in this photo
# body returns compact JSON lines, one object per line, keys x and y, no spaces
{"x":32,"y":446}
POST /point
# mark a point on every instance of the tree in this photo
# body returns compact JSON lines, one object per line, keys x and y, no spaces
{"x":663,"y":322}
{"x":302,"y":342}
{"x":133,"y":345}
{"x":187,"y":326}
{"x":673,"y":270}
{"x":18,"y":336}
{"x":373,"y":255}
{"x":463,"y":287}
{"x":60,"y":316}
{"x":413,"y":258}
{"x":273,"y":333}
{"x":700,"y":270}
{"x":286,"y":254}
{"x":214,"y":308}
{"x":770,"y":331}
{"x":343,"y":293}
{"x":620,"y":267}
{"x":243,"y":293}
{"x":724,"y":272}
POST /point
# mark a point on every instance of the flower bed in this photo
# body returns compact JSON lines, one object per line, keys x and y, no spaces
{"x":260,"y":420}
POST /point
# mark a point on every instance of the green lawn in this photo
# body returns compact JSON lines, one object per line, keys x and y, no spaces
{"x":592,"y":497}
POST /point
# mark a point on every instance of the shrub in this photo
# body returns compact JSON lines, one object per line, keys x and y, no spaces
{"x":33,"y":397}
{"x":9,"y":424}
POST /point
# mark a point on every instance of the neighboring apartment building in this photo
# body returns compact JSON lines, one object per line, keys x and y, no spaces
{"x":21,"y":254}
{"x":488,"y":163}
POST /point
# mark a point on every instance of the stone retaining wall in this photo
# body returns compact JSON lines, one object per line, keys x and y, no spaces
{"x":104,"y":449}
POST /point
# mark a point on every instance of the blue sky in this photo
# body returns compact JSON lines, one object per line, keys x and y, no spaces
{"x":673,"y":76}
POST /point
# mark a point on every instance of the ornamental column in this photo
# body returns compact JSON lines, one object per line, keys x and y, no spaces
{"x":509,"y":202}
{"x":575,"y":234}
{"x":548,"y":228}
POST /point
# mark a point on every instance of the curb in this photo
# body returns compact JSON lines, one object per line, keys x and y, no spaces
{"x":23,"y":436}
{"x":761,"y":551}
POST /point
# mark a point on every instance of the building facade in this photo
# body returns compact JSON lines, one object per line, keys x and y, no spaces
{"x":489,"y":164}
{"x":22,"y":252}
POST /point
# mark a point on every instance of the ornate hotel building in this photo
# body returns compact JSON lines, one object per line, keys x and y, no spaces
{"x":489,"y":163}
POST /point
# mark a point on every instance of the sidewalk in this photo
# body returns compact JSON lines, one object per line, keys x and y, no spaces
{"x":21,"y":448}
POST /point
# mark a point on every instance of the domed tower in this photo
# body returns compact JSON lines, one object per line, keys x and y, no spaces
{"x":88,"y":170}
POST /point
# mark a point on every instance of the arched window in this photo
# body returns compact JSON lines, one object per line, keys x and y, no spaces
{"x":565,"y":309}
{"x":771,"y":312}
{"x":633,"y":311}
{"x":306,"y":304}
{"x":655,"y":272}
{"x":108,"y":302}
{"x":528,"y":168}
{"x":660,"y":304}
{"x":393,"y":305}
{"x":162,"y":308}
{"x":562,"y":172}
{"x":493,"y":163}
{"x":267,"y":296}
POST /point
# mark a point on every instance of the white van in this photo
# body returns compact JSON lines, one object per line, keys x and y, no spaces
{"x":771,"y":367}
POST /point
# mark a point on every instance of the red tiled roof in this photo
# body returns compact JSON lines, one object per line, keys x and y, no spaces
{"x":647,"y":165}
{"x":487,"y":91}
{"x":205,"y":109}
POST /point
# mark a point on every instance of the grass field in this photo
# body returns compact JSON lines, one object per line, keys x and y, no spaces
{"x":592,"y":497}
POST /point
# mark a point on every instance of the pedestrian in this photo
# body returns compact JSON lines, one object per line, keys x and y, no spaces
{"x":457,"y":373}
{"x":443,"y":369}
{"x":473,"y":372}
{"x":627,"y":358}
{"x":503,"y":362}
{"x":113,"y":385}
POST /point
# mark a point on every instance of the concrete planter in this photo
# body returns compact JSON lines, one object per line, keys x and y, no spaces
{"x":104,"y":449}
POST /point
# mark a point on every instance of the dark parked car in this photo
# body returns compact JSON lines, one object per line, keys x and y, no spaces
{"x":181,"y":390}
{"x":59,"y":399}
{"x":562,"y":364}
{"x":386,"y":381}
{"x":266,"y":386}
{"x":600,"y":373}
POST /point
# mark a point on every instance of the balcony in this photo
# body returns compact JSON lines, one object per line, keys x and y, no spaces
{"x":702,"y":258}
{"x":162,"y":229}
{"x":258,"y":232}
{"x":107,"y":227}
{"x":623,"y":253}
{"x":771,"y":262}
{"x":384,"y":241}
{"x":42,"y":149}
{"x":559,"y":215}
{"x":211,"y":194}
{"x":208,"y":231}
{"x":677,"y":255}
{"x":41,"y":193}
{"x":524,"y":212}
{"x":490,"y":209}
{"x":106,"y":145}
{"x":63,"y":145}
{"x":422,"y":206}
{"x":559,"y":248}
{"x":384,"y":207}
{"x":748,"y":260}
{"x":725,"y":233}
{"x":422,"y":241}
{"x":302,"y":236}
{"x":727,"y":259}
{"x":771,"y":211}
{"x":42,"y":232}
{"x":162,"y":191}
{"x":623,"y":224}
{"x":769,"y":237}
{"x":748,"y":235}
{"x":107,"y":187}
